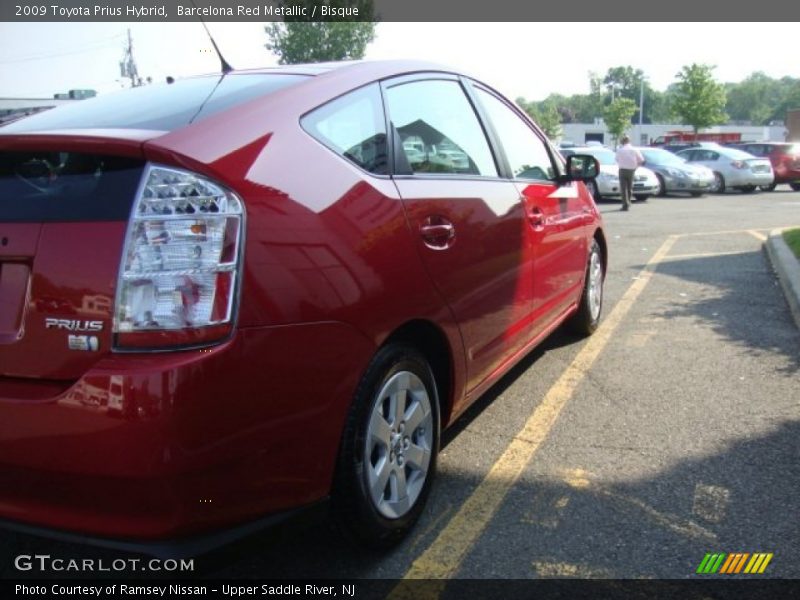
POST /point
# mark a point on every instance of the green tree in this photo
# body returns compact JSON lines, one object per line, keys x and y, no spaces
{"x":546,"y":114}
{"x":760,"y":99}
{"x":301,"y":40}
{"x":754,"y":99}
{"x":624,"y":82}
{"x":617,"y":116}
{"x":699,"y":100}
{"x":627,"y":82}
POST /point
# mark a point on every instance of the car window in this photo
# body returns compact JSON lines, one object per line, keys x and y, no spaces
{"x":160,"y":106}
{"x":438,"y":128}
{"x":604,"y":157}
{"x":705,"y":155}
{"x":687,"y":155}
{"x":49,"y":186}
{"x":662,"y":157}
{"x":353,"y":126}
{"x":526,"y":152}
{"x":737,"y":154}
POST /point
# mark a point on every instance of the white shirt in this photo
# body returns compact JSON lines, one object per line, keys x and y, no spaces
{"x":629,"y":157}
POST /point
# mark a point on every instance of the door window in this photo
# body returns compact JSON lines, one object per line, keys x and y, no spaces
{"x":353,"y":126}
{"x":526,"y":152}
{"x":439,"y":131}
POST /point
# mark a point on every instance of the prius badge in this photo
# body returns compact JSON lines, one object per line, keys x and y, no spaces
{"x":73,"y":324}
{"x":85,"y":343}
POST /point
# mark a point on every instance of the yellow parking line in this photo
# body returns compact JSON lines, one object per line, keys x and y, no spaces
{"x":672,"y":257}
{"x":722,"y":232}
{"x":444,"y":556}
{"x":757,"y":234}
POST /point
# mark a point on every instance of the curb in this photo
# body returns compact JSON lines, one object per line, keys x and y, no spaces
{"x":788,"y":269}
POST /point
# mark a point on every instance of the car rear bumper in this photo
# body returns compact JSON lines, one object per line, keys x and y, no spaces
{"x":180,"y":547}
{"x":639,"y":188}
{"x":786,"y":175}
{"x":747,"y":178}
{"x":177,"y":443}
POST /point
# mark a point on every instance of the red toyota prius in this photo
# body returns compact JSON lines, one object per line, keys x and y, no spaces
{"x":238,"y":295}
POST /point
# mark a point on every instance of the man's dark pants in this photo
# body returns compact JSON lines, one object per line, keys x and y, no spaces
{"x":626,"y":186}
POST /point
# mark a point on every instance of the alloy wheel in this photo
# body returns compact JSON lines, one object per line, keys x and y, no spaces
{"x":399,"y":442}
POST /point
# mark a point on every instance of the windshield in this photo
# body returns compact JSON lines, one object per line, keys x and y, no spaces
{"x":162,"y":107}
{"x":604,"y":157}
{"x":662,"y":157}
{"x":50,"y":186}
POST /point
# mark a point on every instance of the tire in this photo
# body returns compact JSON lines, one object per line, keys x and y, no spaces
{"x":641,"y":197}
{"x":748,"y":189}
{"x":795,"y":186}
{"x":768,"y":188}
{"x":591,"y":185}
{"x":662,"y":187}
{"x":387,"y":457}
{"x":718,"y":187}
{"x":587,"y":318}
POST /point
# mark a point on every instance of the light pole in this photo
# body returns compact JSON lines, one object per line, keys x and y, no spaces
{"x":641,"y":108}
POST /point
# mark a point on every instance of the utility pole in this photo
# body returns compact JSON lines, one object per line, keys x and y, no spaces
{"x":127,"y":66}
{"x":641,"y":109}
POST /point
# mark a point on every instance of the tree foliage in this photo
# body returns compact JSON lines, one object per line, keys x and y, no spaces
{"x":760,"y":99}
{"x":301,"y":40}
{"x":699,"y":99}
{"x":617,"y":116}
{"x":546,"y":114}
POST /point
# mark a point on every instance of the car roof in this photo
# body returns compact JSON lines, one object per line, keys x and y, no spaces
{"x":205,"y":95}
{"x":770,"y":143}
{"x":377,"y":68}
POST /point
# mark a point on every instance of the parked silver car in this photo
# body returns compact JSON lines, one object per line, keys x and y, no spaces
{"x":645,"y":182}
{"x":732,"y":168}
{"x":675,"y":174}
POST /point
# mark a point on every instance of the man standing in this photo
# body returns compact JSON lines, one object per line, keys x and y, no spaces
{"x":628,"y":158}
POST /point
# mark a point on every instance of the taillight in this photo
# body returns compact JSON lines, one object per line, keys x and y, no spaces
{"x":180,"y":266}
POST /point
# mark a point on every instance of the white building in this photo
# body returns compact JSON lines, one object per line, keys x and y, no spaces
{"x":642,"y":135}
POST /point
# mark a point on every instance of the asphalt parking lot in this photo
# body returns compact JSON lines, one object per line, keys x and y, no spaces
{"x":671,"y":433}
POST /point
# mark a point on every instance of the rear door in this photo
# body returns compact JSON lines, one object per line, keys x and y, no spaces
{"x":469,"y":222}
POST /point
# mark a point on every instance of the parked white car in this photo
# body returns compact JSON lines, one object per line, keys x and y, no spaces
{"x":732,"y":168}
{"x":606,"y":185}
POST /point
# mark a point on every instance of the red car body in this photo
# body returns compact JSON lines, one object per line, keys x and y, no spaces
{"x":141,"y":442}
{"x":784,"y":156}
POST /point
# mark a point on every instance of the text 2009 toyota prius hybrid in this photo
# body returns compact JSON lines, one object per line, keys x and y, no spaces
{"x":239,"y":295}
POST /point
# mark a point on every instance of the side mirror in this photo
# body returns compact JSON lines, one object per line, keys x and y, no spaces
{"x":582,"y":167}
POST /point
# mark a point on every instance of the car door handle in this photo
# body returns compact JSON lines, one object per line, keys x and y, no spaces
{"x":437,"y":232}
{"x":536,"y":217}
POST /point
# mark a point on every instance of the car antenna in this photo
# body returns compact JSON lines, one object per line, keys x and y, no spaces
{"x":226,"y":67}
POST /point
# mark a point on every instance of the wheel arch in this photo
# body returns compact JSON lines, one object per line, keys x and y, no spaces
{"x":433,"y":344}
{"x":600,"y":236}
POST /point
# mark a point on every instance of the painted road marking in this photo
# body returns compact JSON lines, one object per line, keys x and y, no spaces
{"x":444,"y":556}
{"x":673,"y":257}
{"x":721,"y":232}
{"x":580,"y":479}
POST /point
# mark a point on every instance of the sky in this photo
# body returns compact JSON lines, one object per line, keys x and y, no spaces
{"x":520,"y":59}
